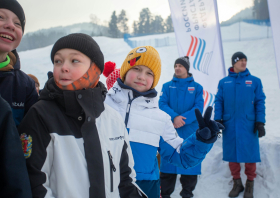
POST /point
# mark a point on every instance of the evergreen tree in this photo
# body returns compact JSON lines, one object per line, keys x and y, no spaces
{"x":169,"y":24}
{"x":145,"y":19}
{"x":122,"y":22}
{"x":113,"y":27}
{"x":157,"y":25}
{"x":135,"y":27}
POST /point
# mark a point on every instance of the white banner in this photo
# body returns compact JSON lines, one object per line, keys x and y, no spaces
{"x":198,"y":36}
{"x":274,"y":7}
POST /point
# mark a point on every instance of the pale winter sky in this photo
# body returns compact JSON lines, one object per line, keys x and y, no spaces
{"x":41,"y":14}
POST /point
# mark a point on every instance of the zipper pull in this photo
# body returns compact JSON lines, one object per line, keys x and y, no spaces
{"x":111,"y":161}
{"x":128,"y":107}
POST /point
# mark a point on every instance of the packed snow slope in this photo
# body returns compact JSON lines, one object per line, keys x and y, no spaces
{"x":215,"y":180}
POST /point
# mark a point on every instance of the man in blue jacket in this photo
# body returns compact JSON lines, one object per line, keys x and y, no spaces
{"x":179,"y":98}
{"x":240,"y":107}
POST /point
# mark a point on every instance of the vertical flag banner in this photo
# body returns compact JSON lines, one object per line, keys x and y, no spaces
{"x":197,"y":30}
{"x":274,"y":7}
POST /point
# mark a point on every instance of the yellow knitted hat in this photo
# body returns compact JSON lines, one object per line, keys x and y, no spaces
{"x":146,"y":56}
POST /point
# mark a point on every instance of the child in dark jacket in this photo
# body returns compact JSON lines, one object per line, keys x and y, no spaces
{"x":17,"y":90}
{"x":14,"y":181}
{"x":150,"y":129}
{"x":74,"y":145}
{"x":16,"y":87}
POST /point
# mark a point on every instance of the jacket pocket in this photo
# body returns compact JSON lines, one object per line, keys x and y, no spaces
{"x":112,"y":169}
{"x":226,"y":117}
{"x":251,"y":117}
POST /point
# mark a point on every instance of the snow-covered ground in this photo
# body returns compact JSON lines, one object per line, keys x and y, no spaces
{"x":215,"y":180}
{"x":247,"y":31}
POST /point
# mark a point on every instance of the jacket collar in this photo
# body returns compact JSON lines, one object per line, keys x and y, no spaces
{"x":121,"y":93}
{"x":16,"y":65}
{"x":183,"y":80}
{"x":70,"y":100}
{"x":233,"y":74}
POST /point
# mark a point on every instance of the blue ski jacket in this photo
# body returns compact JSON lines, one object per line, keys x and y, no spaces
{"x":18,"y":89}
{"x":239,"y":103}
{"x":182,"y":97}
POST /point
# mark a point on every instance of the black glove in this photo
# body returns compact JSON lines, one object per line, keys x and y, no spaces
{"x":259,"y":126}
{"x":208,"y":129}
{"x":220,"y":121}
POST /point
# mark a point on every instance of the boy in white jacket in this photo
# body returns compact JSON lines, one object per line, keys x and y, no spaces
{"x":75,"y":145}
{"x":150,"y":129}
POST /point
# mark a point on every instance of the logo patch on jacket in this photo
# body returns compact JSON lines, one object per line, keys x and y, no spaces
{"x":248,"y":82}
{"x":26,"y":142}
{"x":116,"y":90}
{"x":116,"y":138}
{"x":18,"y":104}
{"x":191,"y":89}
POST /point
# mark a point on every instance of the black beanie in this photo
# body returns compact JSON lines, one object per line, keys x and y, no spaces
{"x":83,"y":43}
{"x":183,"y":61}
{"x":237,"y":56}
{"x":16,"y":8}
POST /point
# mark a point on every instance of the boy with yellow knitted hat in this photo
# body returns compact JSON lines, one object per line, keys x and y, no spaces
{"x":150,"y":129}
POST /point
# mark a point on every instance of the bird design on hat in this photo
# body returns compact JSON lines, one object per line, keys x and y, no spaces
{"x":132,"y":61}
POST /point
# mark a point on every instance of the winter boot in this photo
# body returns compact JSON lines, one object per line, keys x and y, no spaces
{"x":249,"y":189}
{"x":237,"y":188}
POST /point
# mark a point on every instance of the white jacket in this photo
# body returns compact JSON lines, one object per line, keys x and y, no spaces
{"x":149,"y":126}
{"x":151,"y":130}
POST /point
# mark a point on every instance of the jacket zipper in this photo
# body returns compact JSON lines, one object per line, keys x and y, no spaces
{"x":128,"y":110}
{"x":112,"y":168}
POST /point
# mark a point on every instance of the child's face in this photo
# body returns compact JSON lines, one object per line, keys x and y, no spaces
{"x":10,"y":31}
{"x":69,"y":66}
{"x":140,"y":78}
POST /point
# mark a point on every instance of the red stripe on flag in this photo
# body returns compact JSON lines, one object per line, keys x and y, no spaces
{"x":189,"y":51}
{"x":194,"y":46}
{"x":205,"y":101}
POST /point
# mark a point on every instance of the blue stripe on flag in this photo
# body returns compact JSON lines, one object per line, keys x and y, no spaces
{"x":210,"y":99}
{"x":197,"y":54}
{"x":201,"y":55}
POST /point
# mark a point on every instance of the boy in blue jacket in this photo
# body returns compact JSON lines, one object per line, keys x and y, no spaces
{"x":16,"y":87}
{"x":179,"y":99}
{"x":240,"y":107}
{"x":150,"y":129}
